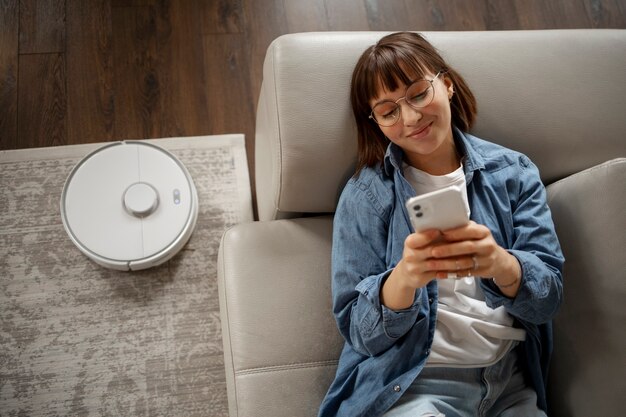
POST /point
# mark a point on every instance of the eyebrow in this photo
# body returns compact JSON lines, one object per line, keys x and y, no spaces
{"x":407,"y":87}
{"x":393,"y":101}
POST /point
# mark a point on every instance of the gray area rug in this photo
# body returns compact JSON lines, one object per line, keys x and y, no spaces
{"x":78,"y":339}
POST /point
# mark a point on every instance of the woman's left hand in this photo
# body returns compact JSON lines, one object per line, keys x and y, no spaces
{"x":471,"y":250}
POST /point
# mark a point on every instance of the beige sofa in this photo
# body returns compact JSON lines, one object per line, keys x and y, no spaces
{"x":558,"y":96}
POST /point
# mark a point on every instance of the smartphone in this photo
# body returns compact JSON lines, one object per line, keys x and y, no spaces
{"x":442,"y":209}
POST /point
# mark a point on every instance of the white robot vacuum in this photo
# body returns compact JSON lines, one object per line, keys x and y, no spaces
{"x":129,"y":205}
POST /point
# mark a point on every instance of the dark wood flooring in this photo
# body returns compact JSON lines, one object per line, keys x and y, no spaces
{"x":78,"y":71}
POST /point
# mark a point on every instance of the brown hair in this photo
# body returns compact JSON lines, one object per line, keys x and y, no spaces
{"x":394,"y":60}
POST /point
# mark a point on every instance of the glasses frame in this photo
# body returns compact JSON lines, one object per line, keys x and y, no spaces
{"x":371,"y":116}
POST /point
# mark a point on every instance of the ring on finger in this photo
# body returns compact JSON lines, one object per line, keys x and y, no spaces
{"x":456,"y":262}
{"x":475,"y":261}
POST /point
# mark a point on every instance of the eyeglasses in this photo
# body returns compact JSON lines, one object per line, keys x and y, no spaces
{"x":418,"y":95}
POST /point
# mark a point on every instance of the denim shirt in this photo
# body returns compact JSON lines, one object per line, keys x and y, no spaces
{"x":385,"y":350}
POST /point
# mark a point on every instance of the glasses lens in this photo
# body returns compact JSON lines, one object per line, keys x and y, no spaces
{"x":386,"y":113}
{"x":420,"y":94}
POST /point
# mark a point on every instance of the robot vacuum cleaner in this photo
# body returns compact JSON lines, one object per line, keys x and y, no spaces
{"x":129,"y":205}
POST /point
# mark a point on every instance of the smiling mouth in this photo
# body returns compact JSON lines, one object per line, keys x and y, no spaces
{"x":420,"y":131}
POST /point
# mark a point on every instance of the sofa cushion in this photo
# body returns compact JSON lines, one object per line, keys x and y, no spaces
{"x":280,"y":337}
{"x":589,"y":211}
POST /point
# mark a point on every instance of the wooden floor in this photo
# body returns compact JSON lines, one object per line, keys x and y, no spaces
{"x":77,"y":71}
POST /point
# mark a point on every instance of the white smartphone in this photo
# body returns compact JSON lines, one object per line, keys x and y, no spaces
{"x":442,"y":209}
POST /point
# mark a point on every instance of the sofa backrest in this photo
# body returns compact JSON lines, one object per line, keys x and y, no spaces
{"x":557,"y":96}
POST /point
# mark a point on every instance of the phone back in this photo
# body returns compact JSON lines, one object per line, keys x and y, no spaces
{"x":442,"y":209}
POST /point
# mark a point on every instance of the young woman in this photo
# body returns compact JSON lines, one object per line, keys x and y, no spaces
{"x":417,"y":342}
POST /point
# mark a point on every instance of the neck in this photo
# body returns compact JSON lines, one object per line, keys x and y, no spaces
{"x":442,"y":162}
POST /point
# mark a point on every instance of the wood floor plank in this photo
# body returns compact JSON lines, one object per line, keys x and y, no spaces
{"x":8,"y":73}
{"x":42,"y":26}
{"x":90,"y":96}
{"x":180,"y":70}
{"x":501,"y":15}
{"x":231,"y":101}
{"x":539,"y":14}
{"x":42,"y":102}
{"x":394,"y":15}
{"x":347,"y":15}
{"x":220,"y":16}
{"x":135,"y":82}
{"x":423,"y":15}
{"x":454,"y":15}
{"x":156,"y":68}
{"x":265,"y":21}
{"x":606,"y":13}
{"x":306,"y":16}
{"x":132,"y":3}
{"x":231,"y":105}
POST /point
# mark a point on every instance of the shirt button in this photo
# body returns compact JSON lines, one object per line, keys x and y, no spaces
{"x":397,"y":388}
{"x":430,"y":300}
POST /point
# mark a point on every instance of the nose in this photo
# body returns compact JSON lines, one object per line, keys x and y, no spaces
{"x":410,"y":115}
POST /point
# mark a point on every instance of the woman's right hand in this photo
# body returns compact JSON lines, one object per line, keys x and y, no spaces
{"x":412,"y":272}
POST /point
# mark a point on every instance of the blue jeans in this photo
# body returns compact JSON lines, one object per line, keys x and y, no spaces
{"x":497,"y":390}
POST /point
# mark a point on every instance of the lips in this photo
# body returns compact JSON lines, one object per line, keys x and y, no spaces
{"x":422,"y":131}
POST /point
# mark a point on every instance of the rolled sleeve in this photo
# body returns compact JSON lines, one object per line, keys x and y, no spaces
{"x":538,"y":251}
{"x":359,"y":271}
{"x":373,"y":328}
{"x":540,"y":294}
{"x":395,"y":323}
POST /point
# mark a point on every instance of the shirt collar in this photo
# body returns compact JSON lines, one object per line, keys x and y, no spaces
{"x":472,"y":159}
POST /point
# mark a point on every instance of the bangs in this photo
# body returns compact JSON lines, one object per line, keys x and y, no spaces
{"x":391,"y":68}
{"x":385,"y":69}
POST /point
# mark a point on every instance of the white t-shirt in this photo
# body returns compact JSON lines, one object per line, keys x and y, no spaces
{"x":468,"y":332}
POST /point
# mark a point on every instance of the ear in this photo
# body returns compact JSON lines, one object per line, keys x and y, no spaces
{"x":449,"y":86}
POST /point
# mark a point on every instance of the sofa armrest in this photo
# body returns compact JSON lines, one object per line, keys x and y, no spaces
{"x":281,"y":342}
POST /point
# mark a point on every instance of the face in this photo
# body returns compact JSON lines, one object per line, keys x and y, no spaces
{"x":425,"y":134}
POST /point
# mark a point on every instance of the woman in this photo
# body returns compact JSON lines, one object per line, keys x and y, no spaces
{"x":418,"y":343}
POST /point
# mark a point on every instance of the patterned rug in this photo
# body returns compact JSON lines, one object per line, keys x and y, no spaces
{"x":78,"y":339}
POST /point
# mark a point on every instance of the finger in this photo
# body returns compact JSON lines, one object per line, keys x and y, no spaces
{"x":418,"y":240}
{"x":471,"y":231}
{"x":465,"y":263}
{"x":446,"y":275}
{"x":463,"y":273}
{"x":459,"y":249}
{"x":414,"y":272}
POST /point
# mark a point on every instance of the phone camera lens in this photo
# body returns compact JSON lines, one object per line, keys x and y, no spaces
{"x":418,"y":214}
{"x":417,"y":207}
